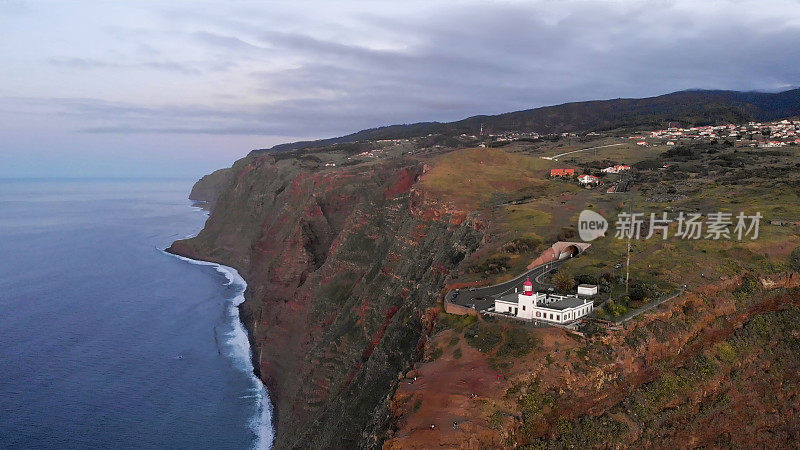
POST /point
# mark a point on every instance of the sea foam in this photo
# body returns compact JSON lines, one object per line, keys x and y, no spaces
{"x":239,"y":351}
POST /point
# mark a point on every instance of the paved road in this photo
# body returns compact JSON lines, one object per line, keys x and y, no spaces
{"x":483,"y":297}
{"x":555,"y":158}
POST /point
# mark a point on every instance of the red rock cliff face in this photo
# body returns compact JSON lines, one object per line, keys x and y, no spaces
{"x":340,"y":269}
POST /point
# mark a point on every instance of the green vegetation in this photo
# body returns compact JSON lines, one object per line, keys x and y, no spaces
{"x":586,"y":432}
{"x":496,"y":419}
{"x":435,"y":354}
{"x":690,"y":108}
{"x":484,"y":336}
{"x":457,"y":353}
{"x":493,"y":265}
{"x":522,"y":245}
{"x":563,"y":281}
{"x":652,"y":395}
{"x":470,"y":177}
{"x":615,"y":309}
{"x":454,"y":321}
{"x":519,"y":341}
{"x":794,"y":259}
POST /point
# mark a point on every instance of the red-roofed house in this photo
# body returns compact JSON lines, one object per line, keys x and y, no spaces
{"x":588,"y":179}
{"x":562,"y":172}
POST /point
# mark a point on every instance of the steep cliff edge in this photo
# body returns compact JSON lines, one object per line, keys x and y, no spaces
{"x":208,"y":188}
{"x":346,"y":249}
{"x":342,"y":265}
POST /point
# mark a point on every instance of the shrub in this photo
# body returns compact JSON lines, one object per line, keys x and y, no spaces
{"x":640,"y":292}
{"x":566,"y":234}
{"x":435,"y":354}
{"x":496,"y":419}
{"x":585,"y":279}
{"x":726,"y":352}
{"x":794,"y":259}
{"x":493,"y":265}
{"x":615,"y":309}
{"x":484,"y":336}
{"x":563,"y":281}
{"x":521,"y":245}
{"x":455,"y":321}
{"x":519,"y":342}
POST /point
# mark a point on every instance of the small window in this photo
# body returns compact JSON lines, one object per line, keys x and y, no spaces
{"x":523,"y":307}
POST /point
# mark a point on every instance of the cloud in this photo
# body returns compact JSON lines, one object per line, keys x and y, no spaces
{"x":313,"y":70}
{"x":185,"y":68}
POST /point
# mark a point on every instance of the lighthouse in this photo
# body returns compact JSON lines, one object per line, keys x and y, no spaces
{"x":542,"y":307}
{"x":527,"y":287}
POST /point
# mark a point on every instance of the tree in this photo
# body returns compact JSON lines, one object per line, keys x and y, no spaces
{"x":563,"y":281}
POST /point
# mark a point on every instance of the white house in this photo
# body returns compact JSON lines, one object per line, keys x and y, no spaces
{"x":587,"y":289}
{"x":545,"y":307}
{"x":588,"y":179}
{"x":616,"y":169}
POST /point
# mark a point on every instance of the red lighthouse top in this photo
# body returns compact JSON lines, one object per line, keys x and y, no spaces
{"x":527,"y":287}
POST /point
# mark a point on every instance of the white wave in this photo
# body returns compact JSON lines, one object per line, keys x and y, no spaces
{"x":261,"y":422}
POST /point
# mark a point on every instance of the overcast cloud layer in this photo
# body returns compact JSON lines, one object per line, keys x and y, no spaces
{"x":179,"y":88}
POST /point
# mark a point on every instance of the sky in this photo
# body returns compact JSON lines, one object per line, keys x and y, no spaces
{"x":180,"y":88}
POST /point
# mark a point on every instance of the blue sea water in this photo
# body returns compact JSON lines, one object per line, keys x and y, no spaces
{"x":105,"y":340}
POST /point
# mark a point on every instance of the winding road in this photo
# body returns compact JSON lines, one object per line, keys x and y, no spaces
{"x":483,"y":298}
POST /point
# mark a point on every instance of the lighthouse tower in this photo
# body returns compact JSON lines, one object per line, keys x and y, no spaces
{"x":526,"y":300}
{"x":527,"y":287}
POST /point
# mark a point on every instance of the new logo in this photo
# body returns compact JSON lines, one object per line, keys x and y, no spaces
{"x":591,"y":225}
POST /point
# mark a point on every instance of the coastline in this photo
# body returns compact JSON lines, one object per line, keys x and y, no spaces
{"x":261,"y":423}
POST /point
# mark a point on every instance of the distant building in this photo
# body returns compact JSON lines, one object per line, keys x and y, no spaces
{"x":588,"y":179}
{"x":547,"y":308}
{"x":616,"y":169}
{"x":562,"y":172}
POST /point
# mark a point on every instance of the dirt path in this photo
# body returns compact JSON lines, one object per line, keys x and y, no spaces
{"x":650,"y":306}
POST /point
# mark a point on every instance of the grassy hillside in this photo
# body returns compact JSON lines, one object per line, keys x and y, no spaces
{"x":687,"y":107}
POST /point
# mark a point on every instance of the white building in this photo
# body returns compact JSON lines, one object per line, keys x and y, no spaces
{"x":545,"y":307}
{"x":587,"y":289}
{"x":617,"y":169}
{"x":588,"y":179}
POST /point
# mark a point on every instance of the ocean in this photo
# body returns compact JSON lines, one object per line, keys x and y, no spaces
{"x":107,"y":341}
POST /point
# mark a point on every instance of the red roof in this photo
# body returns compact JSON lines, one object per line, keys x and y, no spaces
{"x":527,"y":282}
{"x":561,"y":172}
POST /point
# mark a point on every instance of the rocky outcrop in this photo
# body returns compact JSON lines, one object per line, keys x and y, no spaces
{"x":341,"y":266}
{"x":208,"y":188}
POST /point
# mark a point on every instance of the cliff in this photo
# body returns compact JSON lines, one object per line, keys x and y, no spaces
{"x":342,"y":265}
{"x":209,"y":186}
{"x":715,"y":368}
{"x":346,"y":249}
